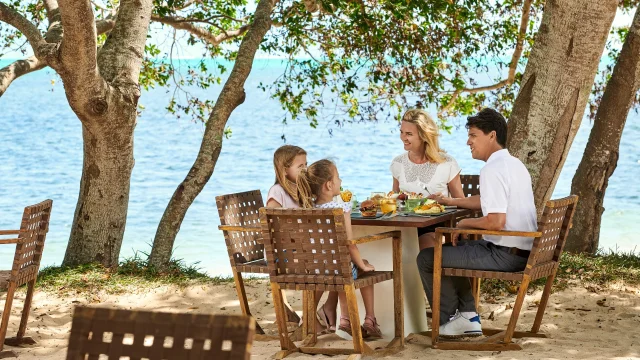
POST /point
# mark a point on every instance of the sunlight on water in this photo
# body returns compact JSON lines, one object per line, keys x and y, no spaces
{"x":42,"y":157}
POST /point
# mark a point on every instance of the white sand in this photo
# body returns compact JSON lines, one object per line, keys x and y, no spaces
{"x":579,"y":328}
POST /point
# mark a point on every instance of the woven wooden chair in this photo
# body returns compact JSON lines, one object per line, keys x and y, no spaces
{"x":471,"y":187}
{"x":26,"y":263}
{"x":240,"y":223}
{"x":131,"y":334}
{"x":307,"y":250}
{"x":549,"y":240}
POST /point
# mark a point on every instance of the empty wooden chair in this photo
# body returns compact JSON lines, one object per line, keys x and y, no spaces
{"x":307,"y":250}
{"x":240,"y":223}
{"x":470,"y":185}
{"x":549,"y":240}
{"x":132,"y":334}
{"x":26,"y":263}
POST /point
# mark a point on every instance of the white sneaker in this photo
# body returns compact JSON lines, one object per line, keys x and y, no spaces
{"x":459,"y":327}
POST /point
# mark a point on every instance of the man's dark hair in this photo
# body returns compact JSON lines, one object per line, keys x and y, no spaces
{"x":489,"y":120}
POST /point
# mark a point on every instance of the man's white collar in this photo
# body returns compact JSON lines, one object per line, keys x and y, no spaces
{"x":498,"y":154}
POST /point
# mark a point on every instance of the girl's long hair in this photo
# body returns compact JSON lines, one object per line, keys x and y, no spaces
{"x":282,"y":159}
{"x":311,"y":180}
{"x":428,"y":132}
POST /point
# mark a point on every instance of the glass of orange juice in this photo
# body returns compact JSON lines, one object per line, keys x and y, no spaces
{"x":388,"y":206}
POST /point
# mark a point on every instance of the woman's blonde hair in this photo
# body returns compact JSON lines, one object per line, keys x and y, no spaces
{"x":428,"y":132}
{"x":311,"y":180}
{"x":282,"y":159}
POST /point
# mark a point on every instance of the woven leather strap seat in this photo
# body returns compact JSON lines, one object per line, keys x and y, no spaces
{"x":98,"y":333}
{"x":256,"y":267}
{"x":4,"y":279}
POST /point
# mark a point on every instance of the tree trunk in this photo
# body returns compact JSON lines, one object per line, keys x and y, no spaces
{"x":602,"y":151}
{"x":231,"y":96}
{"x":101,"y":212}
{"x":102,"y":89}
{"x":555,"y":87}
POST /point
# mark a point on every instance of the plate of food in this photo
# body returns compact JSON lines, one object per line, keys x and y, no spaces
{"x":428,"y":207}
{"x":368,"y":210}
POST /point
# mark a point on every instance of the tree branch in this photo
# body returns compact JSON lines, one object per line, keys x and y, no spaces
{"x":513,"y":65}
{"x":181,"y":23}
{"x":121,"y":56}
{"x":17,"y":69}
{"x":26,"y":66}
{"x":78,"y":47}
{"x":21,"y":23}
{"x":52,"y":9}
{"x":102,"y":26}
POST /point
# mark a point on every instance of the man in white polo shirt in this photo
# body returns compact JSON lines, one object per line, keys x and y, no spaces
{"x":506,"y":200}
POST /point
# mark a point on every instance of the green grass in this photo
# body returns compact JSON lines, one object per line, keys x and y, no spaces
{"x":132,"y":274}
{"x":602,"y":269}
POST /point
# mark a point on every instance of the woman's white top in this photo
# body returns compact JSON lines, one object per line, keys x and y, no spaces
{"x":414,"y":177}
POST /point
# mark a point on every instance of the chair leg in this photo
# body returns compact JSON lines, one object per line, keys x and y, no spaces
{"x":242,"y":296}
{"x":543,"y":303}
{"x":286,"y":344}
{"x":522,"y":292}
{"x":354,"y":318}
{"x":306,"y":329}
{"x":437,"y":278}
{"x":292,"y":316}
{"x":309,"y":317}
{"x":398,"y":295}
{"x":475,"y":287}
{"x":20,"y":339}
{"x":4,"y":324}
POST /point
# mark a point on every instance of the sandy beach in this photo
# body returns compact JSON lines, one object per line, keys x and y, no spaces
{"x":583,"y":322}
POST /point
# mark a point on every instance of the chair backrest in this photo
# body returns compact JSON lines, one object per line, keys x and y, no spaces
{"x":33,"y":231}
{"x":134,"y":334}
{"x":470,"y":185}
{"x":241,"y":209}
{"x":306,"y":246}
{"x":554,"y":226}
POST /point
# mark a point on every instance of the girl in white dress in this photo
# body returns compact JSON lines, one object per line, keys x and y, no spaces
{"x":425,"y":168}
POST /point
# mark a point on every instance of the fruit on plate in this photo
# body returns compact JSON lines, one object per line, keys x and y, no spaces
{"x":368,"y":208}
{"x":429,"y":207}
{"x":346,"y":195}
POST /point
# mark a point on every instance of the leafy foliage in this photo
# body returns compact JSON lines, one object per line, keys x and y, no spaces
{"x":364,"y":60}
{"x":345,"y":60}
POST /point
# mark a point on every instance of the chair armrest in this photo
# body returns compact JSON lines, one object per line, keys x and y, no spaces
{"x":9,"y":241}
{"x":375,"y":237}
{"x":444,"y":230}
{"x":256,"y":228}
{"x":9,"y":232}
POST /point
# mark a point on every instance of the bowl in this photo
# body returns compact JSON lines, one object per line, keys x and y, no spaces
{"x":388,"y":205}
{"x":412,"y":203}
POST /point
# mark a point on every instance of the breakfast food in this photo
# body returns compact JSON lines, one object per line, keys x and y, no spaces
{"x":376,"y":199}
{"x":413,"y":195}
{"x":393,"y":195}
{"x":430,"y":207}
{"x":368,"y":208}
{"x":346,"y":195}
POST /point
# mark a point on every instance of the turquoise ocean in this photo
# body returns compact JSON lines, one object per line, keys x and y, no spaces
{"x":41,"y":157}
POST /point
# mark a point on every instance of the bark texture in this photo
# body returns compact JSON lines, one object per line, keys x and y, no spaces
{"x":231,"y":96}
{"x":555,"y":87}
{"x":601,"y":154}
{"x":101,"y":87}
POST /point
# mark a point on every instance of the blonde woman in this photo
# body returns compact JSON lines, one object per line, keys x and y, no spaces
{"x":424,"y":168}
